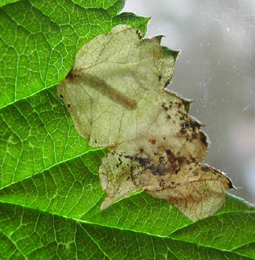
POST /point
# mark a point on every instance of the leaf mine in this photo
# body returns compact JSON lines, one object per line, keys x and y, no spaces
{"x":117,"y":97}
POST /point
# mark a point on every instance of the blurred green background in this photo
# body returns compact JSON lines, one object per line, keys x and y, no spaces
{"x":216,"y":68}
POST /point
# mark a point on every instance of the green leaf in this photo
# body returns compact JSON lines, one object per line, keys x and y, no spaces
{"x":39,"y":39}
{"x":5,"y":2}
{"x":50,"y":193}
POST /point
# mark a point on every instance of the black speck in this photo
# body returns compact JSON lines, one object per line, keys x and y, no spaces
{"x":143,"y":161}
{"x":230,"y":185}
{"x":203,"y":138}
{"x":165,"y":108}
{"x":61,"y":96}
{"x":183,"y":131}
{"x":156,"y":170}
{"x":69,"y":105}
{"x":159,"y":78}
{"x":205,"y":168}
{"x":194,"y":124}
{"x":181,"y":159}
{"x":70,"y":75}
{"x":194,"y":135}
{"x":186,"y":124}
{"x":161,"y":158}
{"x":168,"y":152}
{"x":120,"y":161}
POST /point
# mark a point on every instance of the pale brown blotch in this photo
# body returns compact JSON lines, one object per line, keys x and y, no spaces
{"x":118,"y":99}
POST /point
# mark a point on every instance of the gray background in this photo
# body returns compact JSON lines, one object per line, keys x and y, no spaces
{"x":216,"y":68}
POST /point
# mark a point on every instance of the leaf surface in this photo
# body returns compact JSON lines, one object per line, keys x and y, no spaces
{"x":116,"y":94}
{"x":50,"y":193}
